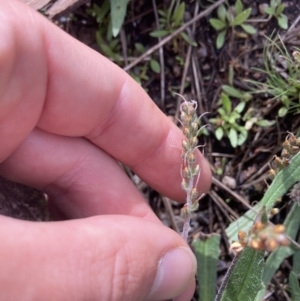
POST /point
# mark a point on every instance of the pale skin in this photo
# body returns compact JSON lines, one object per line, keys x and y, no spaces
{"x":66,"y":115}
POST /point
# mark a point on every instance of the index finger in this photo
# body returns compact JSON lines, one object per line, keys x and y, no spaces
{"x":72,"y":90}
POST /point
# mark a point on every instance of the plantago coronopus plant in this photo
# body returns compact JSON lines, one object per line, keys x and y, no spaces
{"x":190,"y":169}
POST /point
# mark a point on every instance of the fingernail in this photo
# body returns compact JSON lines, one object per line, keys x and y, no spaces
{"x":175,"y":271}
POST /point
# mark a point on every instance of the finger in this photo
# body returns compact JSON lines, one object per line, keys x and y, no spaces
{"x":81,"y":179}
{"x":101,"y":258}
{"x":87,"y":95}
{"x":188,"y":294}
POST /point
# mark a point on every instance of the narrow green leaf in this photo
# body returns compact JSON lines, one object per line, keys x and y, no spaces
{"x":101,"y":11}
{"x":226,"y":103}
{"x":280,"y":185}
{"x":221,"y":38}
{"x":159,"y":33}
{"x":105,"y":49}
{"x":231,"y":91}
{"x":244,"y":281}
{"x":155,"y":66}
{"x":217,"y":24}
{"x":283,"y":21}
{"x":233,"y":137}
{"x":241,"y":17}
{"x":207,"y":253}
{"x":238,"y":7}
{"x":275,"y":259}
{"x":178,"y":14}
{"x":219,"y":133}
{"x":294,"y":286}
{"x":265,"y":123}
{"x":162,"y":13}
{"x":279,"y":9}
{"x":221,"y":12}
{"x":188,"y":39}
{"x":248,"y":28}
{"x":117,"y":12}
{"x":230,"y":75}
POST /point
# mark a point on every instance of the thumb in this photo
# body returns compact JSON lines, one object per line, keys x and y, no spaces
{"x":97,"y":258}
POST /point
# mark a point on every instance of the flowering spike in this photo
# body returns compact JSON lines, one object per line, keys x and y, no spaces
{"x":190,"y":170}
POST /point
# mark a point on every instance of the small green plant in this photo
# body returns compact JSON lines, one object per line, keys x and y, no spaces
{"x":170,"y":20}
{"x":231,"y":122}
{"x":230,"y":18}
{"x":117,"y":14}
{"x":108,"y":44}
{"x":283,"y":73}
{"x":141,"y":72}
{"x":227,"y":123}
{"x":275,"y":9}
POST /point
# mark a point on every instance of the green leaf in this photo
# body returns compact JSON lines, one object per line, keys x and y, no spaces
{"x":219,"y":133}
{"x":238,"y":7}
{"x":221,"y":12}
{"x":207,"y":253}
{"x":178,"y":14}
{"x":231,"y":91}
{"x":101,"y":11}
{"x":241,"y":17}
{"x":242,"y":137}
{"x":162,"y":13}
{"x":260,"y":295}
{"x":117,"y":12}
{"x":282,"y":112}
{"x":221,"y":38}
{"x":155,"y":66}
{"x":248,"y":28}
{"x":188,"y":39}
{"x":274,"y":3}
{"x":105,"y":49}
{"x":294,"y":286}
{"x":217,"y":24}
{"x":226,"y":103}
{"x":265,"y":123}
{"x":283,"y":21}
{"x":139,"y":47}
{"x":240,"y":107}
{"x":245,"y":280}
{"x":280,"y":8}
{"x":283,"y":181}
{"x":275,"y":259}
{"x":159,"y":33}
{"x":269,"y":10}
{"x":233,"y":137}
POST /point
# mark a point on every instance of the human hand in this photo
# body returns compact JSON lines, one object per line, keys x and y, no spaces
{"x":66,"y":115}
